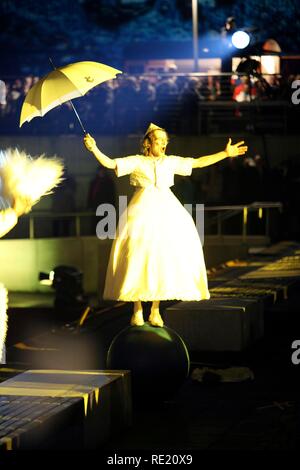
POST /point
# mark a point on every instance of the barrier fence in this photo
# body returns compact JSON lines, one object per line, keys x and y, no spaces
{"x":243,"y":220}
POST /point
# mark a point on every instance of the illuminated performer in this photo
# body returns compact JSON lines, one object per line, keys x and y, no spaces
{"x":23,"y":181}
{"x":157,"y":254}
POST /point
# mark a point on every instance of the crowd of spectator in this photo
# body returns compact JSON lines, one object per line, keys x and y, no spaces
{"x":126,"y":105}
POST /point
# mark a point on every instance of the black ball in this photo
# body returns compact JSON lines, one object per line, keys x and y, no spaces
{"x":157,"y":358}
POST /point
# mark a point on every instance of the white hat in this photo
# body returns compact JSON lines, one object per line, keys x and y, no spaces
{"x":153,"y":127}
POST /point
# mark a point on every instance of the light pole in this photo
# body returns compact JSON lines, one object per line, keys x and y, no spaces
{"x":195,"y":34}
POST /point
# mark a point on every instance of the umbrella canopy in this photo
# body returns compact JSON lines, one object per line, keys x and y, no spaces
{"x":64,"y":84}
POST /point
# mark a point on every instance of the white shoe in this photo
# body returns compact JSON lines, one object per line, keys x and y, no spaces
{"x":137,"y":319}
{"x":155,"y":319}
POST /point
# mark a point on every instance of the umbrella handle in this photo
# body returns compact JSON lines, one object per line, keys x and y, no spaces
{"x":73,"y":107}
{"x":77,"y":115}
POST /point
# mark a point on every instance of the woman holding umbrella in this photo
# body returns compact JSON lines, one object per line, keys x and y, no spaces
{"x":157,"y":254}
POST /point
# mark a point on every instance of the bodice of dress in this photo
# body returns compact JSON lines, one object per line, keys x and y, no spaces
{"x":153,"y":171}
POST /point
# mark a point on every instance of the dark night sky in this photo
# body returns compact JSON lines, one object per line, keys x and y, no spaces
{"x":84,"y":27}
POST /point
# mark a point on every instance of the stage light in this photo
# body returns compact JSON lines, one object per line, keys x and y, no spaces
{"x":240,"y":39}
{"x":46,"y":279}
{"x":249,"y":66}
{"x":70,"y":299}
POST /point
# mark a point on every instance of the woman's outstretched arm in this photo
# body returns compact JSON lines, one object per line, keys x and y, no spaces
{"x":230,"y":151}
{"x":91,"y":145}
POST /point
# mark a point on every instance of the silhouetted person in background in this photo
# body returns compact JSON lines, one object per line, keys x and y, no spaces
{"x":231,"y":173}
{"x":189,"y":106}
{"x":63,"y":200}
{"x":231,"y":193}
{"x":101,"y":191}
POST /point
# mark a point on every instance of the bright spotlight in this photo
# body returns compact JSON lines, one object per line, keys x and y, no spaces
{"x":240,"y":39}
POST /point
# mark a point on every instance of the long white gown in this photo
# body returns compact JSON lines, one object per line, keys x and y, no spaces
{"x":157,"y":253}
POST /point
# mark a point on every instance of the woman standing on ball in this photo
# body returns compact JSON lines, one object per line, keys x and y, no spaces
{"x":157,"y":254}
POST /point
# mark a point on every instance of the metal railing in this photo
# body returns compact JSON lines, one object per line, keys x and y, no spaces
{"x":217,"y":216}
{"x":228,"y":212}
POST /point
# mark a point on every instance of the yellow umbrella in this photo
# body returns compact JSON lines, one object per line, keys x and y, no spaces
{"x":64,"y":84}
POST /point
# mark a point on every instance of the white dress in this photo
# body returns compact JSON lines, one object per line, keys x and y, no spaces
{"x":157,"y":253}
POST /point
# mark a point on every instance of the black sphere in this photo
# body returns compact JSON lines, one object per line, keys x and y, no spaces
{"x":157,"y":358}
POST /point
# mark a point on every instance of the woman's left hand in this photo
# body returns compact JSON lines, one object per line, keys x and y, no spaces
{"x":236,"y":149}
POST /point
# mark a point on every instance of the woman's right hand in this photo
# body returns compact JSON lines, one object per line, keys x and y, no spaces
{"x":89,"y":142}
